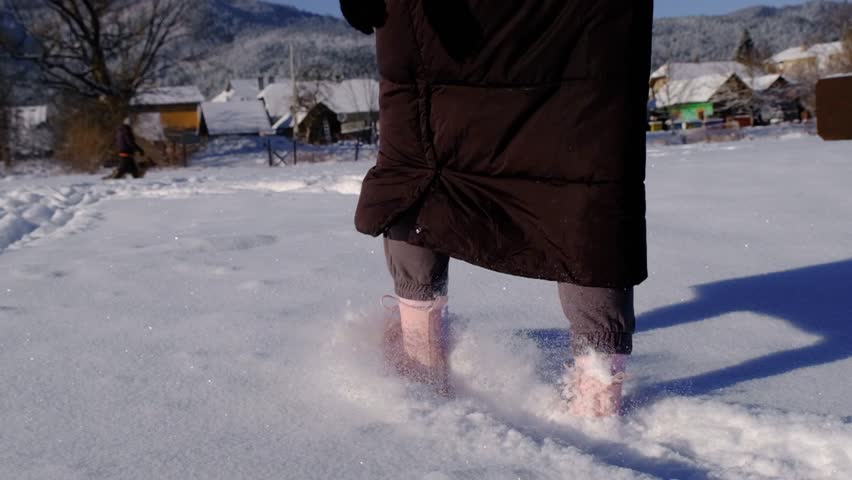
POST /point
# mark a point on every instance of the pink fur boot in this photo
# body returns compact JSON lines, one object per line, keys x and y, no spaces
{"x":593,"y":386}
{"x":417,"y":346}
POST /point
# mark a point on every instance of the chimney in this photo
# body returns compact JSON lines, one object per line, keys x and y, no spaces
{"x":271,"y":80}
{"x":260,"y":82}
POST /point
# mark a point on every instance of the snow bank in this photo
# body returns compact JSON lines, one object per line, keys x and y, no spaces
{"x":31,"y":169}
{"x":32,"y":212}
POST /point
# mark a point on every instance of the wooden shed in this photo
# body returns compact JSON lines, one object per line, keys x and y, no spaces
{"x":834,"y":107}
{"x":320,"y":126}
{"x":177,"y":107}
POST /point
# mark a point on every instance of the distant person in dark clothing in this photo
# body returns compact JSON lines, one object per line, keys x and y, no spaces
{"x":127,"y":147}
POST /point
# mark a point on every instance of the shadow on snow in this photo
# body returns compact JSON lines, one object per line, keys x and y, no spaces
{"x":816,"y":300}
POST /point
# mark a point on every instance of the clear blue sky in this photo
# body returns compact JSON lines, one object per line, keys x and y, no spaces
{"x":665,"y":8}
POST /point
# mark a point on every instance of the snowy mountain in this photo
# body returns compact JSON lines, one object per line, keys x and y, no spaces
{"x":702,"y":38}
{"x":246,"y":38}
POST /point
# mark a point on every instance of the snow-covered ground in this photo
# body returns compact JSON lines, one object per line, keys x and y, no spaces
{"x":222,"y":322}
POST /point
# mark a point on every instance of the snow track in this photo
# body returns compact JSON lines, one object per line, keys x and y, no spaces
{"x":33,"y":212}
{"x":513,"y":413}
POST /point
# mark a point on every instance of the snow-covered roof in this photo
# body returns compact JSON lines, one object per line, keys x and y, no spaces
{"x":685,"y":71}
{"x":820,"y":51}
{"x":278,"y":98}
{"x":353,"y":96}
{"x":347,"y":97}
{"x":762,"y":82}
{"x":160,"y":96}
{"x":693,"y":90}
{"x":234,"y":118}
{"x":224,"y":96}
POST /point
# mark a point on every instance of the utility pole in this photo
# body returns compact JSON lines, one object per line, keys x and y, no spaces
{"x":294,"y":100}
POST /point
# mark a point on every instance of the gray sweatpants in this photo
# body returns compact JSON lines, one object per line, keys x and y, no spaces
{"x":601,"y":319}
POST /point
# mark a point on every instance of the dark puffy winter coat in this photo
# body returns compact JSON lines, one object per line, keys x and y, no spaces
{"x":513,"y":135}
{"x":125,"y":141}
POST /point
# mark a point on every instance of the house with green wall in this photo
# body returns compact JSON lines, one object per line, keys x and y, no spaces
{"x":692,"y":112}
{"x":698,"y":99}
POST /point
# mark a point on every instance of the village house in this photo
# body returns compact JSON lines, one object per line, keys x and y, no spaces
{"x":677,"y":71}
{"x":339,"y":110}
{"x":694,"y":101}
{"x":806,"y":60}
{"x":319,"y":125}
{"x":690,"y":94}
{"x":356,"y":103}
{"x":167,"y":112}
{"x":775,"y":99}
{"x":682,"y":92}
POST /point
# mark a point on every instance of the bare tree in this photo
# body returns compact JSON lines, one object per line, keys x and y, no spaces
{"x":747,"y":52}
{"x":104,"y":49}
{"x":95,"y":56}
{"x":310,"y":93}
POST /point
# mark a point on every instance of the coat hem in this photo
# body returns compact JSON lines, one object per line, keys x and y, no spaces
{"x":509,"y":269}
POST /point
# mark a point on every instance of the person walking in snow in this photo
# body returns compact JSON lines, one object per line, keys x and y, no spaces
{"x":513,"y":138}
{"x":125,"y":143}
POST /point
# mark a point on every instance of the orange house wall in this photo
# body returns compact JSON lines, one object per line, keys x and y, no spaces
{"x":179,"y":119}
